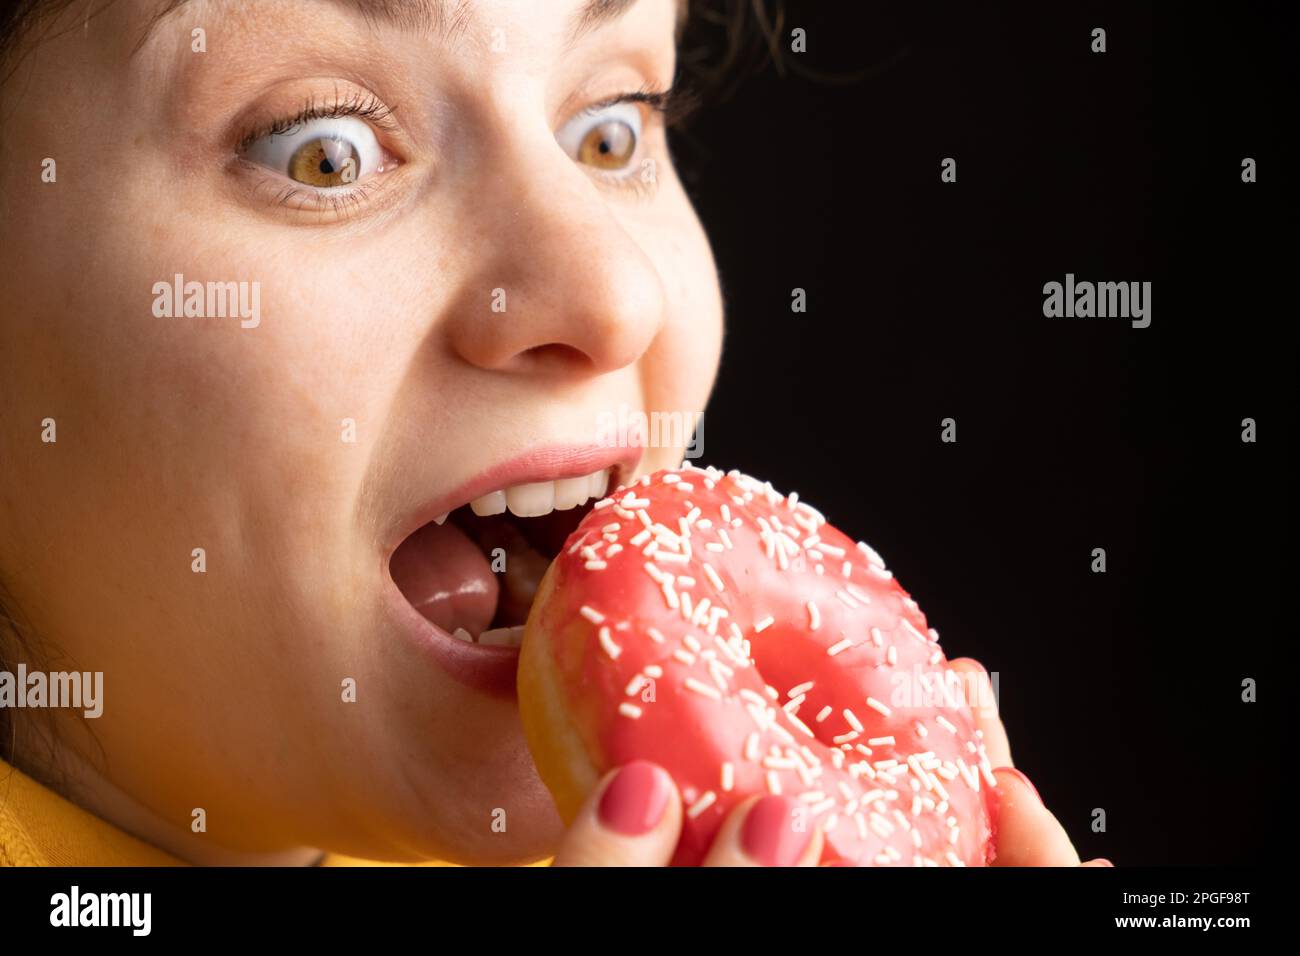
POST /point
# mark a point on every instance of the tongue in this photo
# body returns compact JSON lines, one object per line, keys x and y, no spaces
{"x":445,"y":576}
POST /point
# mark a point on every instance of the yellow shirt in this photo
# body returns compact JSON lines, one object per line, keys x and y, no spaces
{"x":40,"y":828}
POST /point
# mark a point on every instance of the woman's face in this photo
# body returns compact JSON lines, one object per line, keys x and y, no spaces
{"x":446,"y":290}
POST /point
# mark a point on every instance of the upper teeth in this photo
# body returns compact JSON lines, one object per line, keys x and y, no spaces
{"x":542,"y":497}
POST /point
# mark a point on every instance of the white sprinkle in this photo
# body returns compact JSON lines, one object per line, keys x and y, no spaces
{"x":845,"y":597}
{"x":602,"y":503}
{"x":847,"y":569}
{"x":612,"y":550}
{"x":911,"y":628}
{"x":853,"y":721}
{"x":655,"y":635}
{"x":629,"y":710}
{"x":751,"y":745}
{"x":702,"y":804}
{"x":670,"y":595}
{"x":878,"y":706}
{"x":773,"y":782}
{"x":671,"y":479}
{"x":607,"y":642}
{"x":764,"y":624}
{"x":846,"y":738}
{"x":920,"y":730}
{"x":871,"y":554}
{"x":634,"y":686}
{"x":814,"y":616}
{"x":880,"y":572}
{"x":595,"y":617}
{"x":712,"y":575}
{"x":953,"y":858}
{"x":701,"y":688}
{"x":595,"y":565}
{"x":685,"y":657}
{"x":728,"y":776}
{"x":891,"y":655}
{"x":843,"y":645}
{"x":800,"y":725}
{"x":858,"y":593}
{"x":945,"y":723}
{"x":799,"y":689}
{"x":824,"y":713}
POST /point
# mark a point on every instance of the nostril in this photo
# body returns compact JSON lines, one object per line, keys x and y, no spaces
{"x":555,"y":355}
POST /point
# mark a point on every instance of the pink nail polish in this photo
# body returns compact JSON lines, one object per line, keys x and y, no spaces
{"x":635,"y":800}
{"x":774,"y":834}
{"x":1023,"y":779}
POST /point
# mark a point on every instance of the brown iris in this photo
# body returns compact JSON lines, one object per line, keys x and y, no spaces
{"x":325,"y":162}
{"x":608,"y":145}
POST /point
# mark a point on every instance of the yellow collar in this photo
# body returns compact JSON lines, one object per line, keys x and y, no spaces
{"x":40,"y":828}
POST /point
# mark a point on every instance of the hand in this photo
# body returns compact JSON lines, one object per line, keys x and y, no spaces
{"x":1027,"y":833}
{"x":634,"y":818}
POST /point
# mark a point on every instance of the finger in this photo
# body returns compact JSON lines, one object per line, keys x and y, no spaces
{"x":632,"y":819}
{"x":767,"y":830}
{"x":1100,"y":861}
{"x":1027,"y":833}
{"x":984,"y":708}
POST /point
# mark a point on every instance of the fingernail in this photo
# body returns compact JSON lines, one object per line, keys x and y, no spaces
{"x":974,"y":663}
{"x":1102,"y":861}
{"x":1022,"y":778}
{"x":635,"y":800}
{"x":773,"y":834}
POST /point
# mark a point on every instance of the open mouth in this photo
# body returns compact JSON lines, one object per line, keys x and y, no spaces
{"x":473,"y":572}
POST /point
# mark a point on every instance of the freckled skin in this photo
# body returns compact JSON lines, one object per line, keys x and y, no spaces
{"x":223,"y":689}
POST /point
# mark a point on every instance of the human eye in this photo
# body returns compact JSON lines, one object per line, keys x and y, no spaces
{"x":605,"y":137}
{"x":325,"y":155}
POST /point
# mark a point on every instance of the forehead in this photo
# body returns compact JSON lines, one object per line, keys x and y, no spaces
{"x":444,"y":17}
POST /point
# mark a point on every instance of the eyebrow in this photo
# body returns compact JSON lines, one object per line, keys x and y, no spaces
{"x":441,"y":18}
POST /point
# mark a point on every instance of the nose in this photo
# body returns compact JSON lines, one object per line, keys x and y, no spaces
{"x":558,"y":286}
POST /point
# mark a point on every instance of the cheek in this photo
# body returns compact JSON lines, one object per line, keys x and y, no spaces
{"x":691,"y":343}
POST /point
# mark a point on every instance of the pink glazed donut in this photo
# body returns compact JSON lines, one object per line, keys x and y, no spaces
{"x":726,"y":632}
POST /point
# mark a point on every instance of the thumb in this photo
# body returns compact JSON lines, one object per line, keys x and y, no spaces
{"x":633,"y":818}
{"x":1027,"y":833}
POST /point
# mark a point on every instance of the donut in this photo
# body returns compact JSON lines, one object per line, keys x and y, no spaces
{"x":701,"y":620}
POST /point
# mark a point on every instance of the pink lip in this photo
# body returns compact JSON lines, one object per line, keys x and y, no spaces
{"x":486,"y":668}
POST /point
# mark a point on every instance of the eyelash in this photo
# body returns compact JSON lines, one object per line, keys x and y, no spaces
{"x":364,"y":105}
{"x":671,"y":104}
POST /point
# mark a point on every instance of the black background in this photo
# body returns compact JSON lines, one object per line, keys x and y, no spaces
{"x":1122,"y":690}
